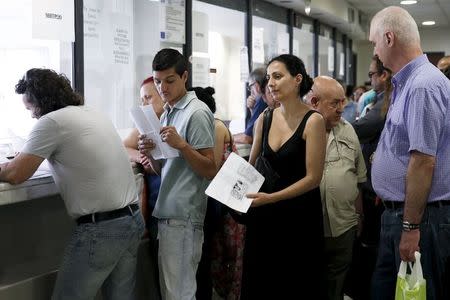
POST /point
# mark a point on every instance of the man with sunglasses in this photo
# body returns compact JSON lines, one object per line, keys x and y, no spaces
{"x":255,"y":103}
{"x":344,"y":170}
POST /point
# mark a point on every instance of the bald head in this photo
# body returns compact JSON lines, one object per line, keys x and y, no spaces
{"x":325,"y":87}
{"x":444,"y":63}
{"x":395,"y":37}
{"x":327,"y":96}
{"x":397,"y":20}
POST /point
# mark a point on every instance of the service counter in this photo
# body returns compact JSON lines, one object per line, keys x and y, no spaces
{"x":34,"y":228}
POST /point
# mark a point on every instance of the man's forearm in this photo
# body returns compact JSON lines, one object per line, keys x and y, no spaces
{"x":419,"y":177}
{"x":202,"y":165}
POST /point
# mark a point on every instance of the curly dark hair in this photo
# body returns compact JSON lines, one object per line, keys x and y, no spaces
{"x":295,"y":66}
{"x":205,"y":95}
{"x":47,"y":91}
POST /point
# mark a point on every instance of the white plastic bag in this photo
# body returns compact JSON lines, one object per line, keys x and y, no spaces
{"x":411,"y":286}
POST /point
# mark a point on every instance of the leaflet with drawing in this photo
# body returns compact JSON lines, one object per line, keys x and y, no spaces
{"x":234,"y":180}
{"x":148,"y":123}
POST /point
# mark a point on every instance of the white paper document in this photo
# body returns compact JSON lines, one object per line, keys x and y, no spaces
{"x":148,"y":123}
{"x":234,"y":180}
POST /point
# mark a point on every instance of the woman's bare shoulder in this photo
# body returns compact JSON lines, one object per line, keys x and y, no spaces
{"x":221,"y":129}
{"x":314,"y":123}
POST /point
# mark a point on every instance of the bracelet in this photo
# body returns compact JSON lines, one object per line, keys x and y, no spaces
{"x":408,"y":226}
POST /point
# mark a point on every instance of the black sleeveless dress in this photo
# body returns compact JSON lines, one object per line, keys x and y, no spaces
{"x":284,"y":240}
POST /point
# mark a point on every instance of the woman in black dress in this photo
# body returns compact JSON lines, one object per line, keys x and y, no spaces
{"x":284,"y":241}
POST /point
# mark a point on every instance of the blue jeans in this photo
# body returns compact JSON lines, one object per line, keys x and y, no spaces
{"x":434,"y":247}
{"x":101,"y":255}
{"x":180,"y":249}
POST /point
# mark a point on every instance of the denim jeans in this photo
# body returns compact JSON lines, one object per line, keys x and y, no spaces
{"x":180,"y":249}
{"x":434,"y":247}
{"x":101,"y":255}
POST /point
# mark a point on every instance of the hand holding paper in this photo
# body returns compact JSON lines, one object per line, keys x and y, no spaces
{"x":148,"y":123}
{"x":234,"y":180}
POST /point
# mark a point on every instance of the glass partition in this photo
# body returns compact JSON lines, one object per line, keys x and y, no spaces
{"x":326,"y":51}
{"x":121,"y":39}
{"x":340,"y":58}
{"x":218,"y":38}
{"x":19,"y":51}
{"x":274,"y":38}
{"x":303,"y":46}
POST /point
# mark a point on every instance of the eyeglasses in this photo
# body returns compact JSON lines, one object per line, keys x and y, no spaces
{"x":370,"y":74}
{"x":249,"y":88}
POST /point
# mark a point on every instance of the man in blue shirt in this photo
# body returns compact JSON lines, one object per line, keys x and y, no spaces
{"x":255,"y":103}
{"x":411,"y":166}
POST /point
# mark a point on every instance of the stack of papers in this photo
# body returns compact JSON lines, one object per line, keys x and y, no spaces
{"x":148,"y":123}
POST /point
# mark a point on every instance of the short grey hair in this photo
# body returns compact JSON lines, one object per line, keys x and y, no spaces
{"x":398,"y":21}
{"x":258,"y":75}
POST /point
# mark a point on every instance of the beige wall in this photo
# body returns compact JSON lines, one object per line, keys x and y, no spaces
{"x":435,"y":40}
{"x":364,"y":50}
{"x":432,"y":40}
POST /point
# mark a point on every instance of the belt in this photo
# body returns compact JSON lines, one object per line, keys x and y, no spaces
{"x":399,"y":204}
{"x":108,"y":215}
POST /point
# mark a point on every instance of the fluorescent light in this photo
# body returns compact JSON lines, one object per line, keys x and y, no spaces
{"x":428,"y":23}
{"x":307,"y":7}
{"x":408,"y":2}
{"x":308,"y":10}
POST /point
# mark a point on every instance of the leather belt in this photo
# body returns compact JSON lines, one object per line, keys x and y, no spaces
{"x":399,"y":204}
{"x":108,"y":215}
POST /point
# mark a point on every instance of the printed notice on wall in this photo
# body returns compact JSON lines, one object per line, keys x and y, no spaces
{"x":53,"y":20}
{"x":341,"y":64}
{"x":200,"y":71}
{"x":172,"y":21}
{"x":243,"y":58}
{"x":283,"y":43}
{"x":330,"y":59}
{"x":92,"y":23}
{"x":296,"y":48}
{"x":258,"y":45}
{"x":108,"y":53}
{"x":121,"y":46}
{"x":200,"y":32}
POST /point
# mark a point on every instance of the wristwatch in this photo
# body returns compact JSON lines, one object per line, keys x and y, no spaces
{"x":408,"y":226}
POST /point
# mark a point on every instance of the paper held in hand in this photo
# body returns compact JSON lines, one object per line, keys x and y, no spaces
{"x":148,"y":123}
{"x":234,"y":180}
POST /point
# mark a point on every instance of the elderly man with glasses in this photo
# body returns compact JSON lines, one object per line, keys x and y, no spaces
{"x":344,"y":170}
{"x":255,"y":103}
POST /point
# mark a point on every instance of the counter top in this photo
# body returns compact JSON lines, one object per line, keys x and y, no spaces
{"x":40,"y":185}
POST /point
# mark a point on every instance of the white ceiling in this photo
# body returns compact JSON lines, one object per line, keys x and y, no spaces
{"x":424,"y":10}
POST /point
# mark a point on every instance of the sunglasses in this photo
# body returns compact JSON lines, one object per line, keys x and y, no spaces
{"x":249,"y":88}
